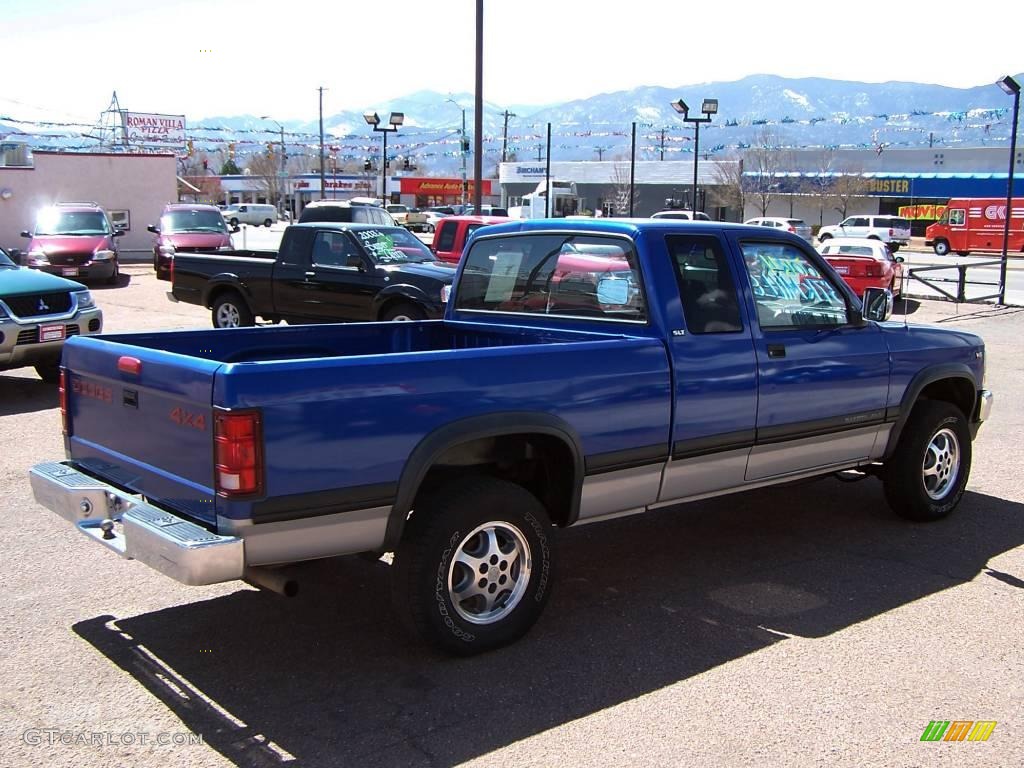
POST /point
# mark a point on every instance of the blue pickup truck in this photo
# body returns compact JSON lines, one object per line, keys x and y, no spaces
{"x":582,"y":371}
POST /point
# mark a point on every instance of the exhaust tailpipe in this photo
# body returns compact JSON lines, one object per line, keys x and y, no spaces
{"x":277,"y":580}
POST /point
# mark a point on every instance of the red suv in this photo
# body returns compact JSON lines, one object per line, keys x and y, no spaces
{"x":187,"y":228}
{"x":74,"y":240}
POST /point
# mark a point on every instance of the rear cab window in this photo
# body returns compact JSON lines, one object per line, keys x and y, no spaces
{"x":580,"y":276}
{"x":706,"y":285}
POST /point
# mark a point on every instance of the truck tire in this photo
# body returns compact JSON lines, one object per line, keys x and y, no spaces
{"x":115,"y":276}
{"x":49,"y":372}
{"x":474,"y":567}
{"x":926,"y":476}
{"x":404,"y":312}
{"x":941,"y":248}
{"x":267,"y":223}
{"x":231,"y":311}
{"x":233,"y":221}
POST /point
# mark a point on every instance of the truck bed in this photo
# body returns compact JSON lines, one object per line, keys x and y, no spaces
{"x":368,"y":392}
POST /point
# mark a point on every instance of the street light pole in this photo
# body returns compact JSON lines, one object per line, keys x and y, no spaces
{"x":394,"y":121}
{"x":281,"y":174}
{"x":1012,"y":88}
{"x":709,"y":107}
{"x":462,"y":149}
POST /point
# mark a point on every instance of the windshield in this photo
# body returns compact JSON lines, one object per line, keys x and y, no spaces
{"x":54,"y":222}
{"x":193,"y":221}
{"x":393,"y":245}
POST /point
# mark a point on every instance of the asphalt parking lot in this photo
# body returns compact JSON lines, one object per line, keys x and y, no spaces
{"x":795,"y":626}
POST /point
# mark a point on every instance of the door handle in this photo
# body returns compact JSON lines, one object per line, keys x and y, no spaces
{"x":776,"y":350}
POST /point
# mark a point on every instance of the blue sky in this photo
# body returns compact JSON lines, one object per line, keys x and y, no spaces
{"x":200,"y":58}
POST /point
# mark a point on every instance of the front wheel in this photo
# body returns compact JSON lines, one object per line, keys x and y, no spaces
{"x":231,"y":311}
{"x":474,"y":568}
{"x":926,"y":476}
{"x":404,"y":313}
{"x":941,"y":248}
{"x":115,"y":276}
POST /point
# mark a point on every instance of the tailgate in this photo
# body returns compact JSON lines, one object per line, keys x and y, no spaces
{"x":149,"y":431}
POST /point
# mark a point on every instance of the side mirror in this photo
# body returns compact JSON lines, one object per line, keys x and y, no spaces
{"x":26,"y":233}
{"x":117,"y":233}
{"x":899,"y":259}
{"x":877,"y":304}
{"x":153,"y":228}
{"x":235,"y":229}
{"x":613,"y":290}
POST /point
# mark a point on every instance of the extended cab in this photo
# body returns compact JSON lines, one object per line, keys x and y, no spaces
{"x":582,"y":371}
{"x":323,"y":272}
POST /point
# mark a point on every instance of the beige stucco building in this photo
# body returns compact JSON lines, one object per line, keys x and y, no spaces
{"x":132,"y":188}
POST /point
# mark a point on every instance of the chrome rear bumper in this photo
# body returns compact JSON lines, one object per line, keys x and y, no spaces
{"x":167,"y":543}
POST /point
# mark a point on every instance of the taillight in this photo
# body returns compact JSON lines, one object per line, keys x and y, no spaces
{"x":793,"y":230}
{"x":62,"y":393}
{"x":238,"y":453}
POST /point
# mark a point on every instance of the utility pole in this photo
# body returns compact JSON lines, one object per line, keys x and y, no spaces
{"x":632,"y":169}
{"x":478,"y":112}
{"x":539,"y":148}
{"x":463,"y":146}
{"x":662,"y":157}
{"x":504,"y":135}
{"x":322,"y":182}
{"x":600,"y":152}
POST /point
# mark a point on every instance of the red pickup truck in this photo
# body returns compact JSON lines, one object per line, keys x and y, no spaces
{"x":452,"y":232}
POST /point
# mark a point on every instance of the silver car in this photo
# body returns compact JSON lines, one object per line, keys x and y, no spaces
{"x":798,"y":227}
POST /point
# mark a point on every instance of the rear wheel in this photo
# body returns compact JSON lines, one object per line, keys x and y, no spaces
{"x":926,"y":476}
{"x":233,"y":222}
{"x":963,"y":253}
{"x":941,"y":248}
{"x":893,"y":247}
{"x":267,"y":223}
{"x":474,"y":568}
{"x":404,"y":312}
{"x":231,"y":311}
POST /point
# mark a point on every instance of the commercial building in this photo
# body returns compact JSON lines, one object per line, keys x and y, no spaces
{"x":133,"y":188}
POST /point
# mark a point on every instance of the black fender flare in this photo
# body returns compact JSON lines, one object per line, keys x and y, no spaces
{"x":216,"y":283}
{"x":431,"y":448}
{"x":405,"y":292}
{"x":922,"y":379}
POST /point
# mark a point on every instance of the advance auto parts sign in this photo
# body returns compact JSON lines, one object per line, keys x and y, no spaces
{"x":143,"y":129}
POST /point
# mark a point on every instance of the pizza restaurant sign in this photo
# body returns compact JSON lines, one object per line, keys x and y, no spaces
{"x":154,"y":130}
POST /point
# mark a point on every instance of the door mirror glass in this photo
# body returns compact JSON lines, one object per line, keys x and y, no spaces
{"x":877,"y":304}
{"x":613,"y":290}
{"x":153,"y":228}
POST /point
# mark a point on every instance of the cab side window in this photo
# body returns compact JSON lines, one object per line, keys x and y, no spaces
{"x":789,"y":289}
{"x":446,"y":236}
{"x":957,"y":217}
{"x":332,"y":249}
{"x":706,"y":286}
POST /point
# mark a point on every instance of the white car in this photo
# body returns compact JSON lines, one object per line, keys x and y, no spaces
{"x":679,"y":214}
{"x":892,"y":230}
{"x":798,"y":227}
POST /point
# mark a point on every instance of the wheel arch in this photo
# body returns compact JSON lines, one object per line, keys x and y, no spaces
{"x":952,"y":383}
{"x":218,"y":285}
{"x":483,"y":442}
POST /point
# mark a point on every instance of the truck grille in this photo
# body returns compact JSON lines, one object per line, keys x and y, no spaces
{"x":39,"y":304}
{"x":31,"y":335}
{"x":70,"y":259}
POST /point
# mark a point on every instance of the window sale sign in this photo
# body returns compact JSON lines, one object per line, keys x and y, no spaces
{"x":144,"y":129}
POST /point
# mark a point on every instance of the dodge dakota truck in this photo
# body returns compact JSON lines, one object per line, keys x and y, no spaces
{"x":323,"y":272}
{"x":583,"y":370}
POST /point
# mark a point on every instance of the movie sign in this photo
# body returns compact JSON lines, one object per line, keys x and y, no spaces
{"x":149,"y":130}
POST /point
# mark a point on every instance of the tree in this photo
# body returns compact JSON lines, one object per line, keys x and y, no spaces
{"x":849,"y":185}
{"x":620,"y":189}
{"x":728,"y":190}
{"x":765,"y":162}
{"x":230,"y":168}
{"x":265,"y":169}
{"x":820,"y":186}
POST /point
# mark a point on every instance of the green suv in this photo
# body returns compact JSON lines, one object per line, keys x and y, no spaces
{"x":38,"y":311}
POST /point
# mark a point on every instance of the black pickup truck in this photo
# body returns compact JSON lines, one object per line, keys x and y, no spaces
{"x":323,"y":272}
